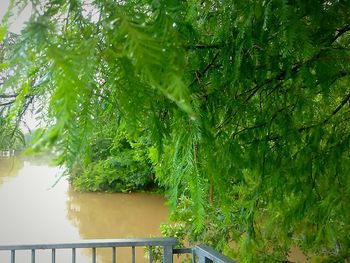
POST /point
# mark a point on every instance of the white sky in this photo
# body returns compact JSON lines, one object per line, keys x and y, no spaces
{"x":16,"y":23}
{"x":3,"y":7}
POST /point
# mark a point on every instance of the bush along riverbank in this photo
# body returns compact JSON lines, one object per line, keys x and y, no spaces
{"x":120,"y":166}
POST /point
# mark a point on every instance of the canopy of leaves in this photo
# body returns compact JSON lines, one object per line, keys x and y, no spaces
{"x":243,"y":106}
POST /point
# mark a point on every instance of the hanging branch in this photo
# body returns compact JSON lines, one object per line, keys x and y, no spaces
{"x":340,"y":32}
{"x":338,"y":108}
{"x":200,"y":74}
{"x":204,"y":46}
{"x":6,"y":96}
{"x":7,"y":103}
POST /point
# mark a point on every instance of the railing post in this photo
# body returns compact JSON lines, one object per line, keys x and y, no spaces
{"x":73,"y":255}
{"x":53,"y":255}
{"x":168,"y":254}
{"x":133,"y":255}
{"x":150,"y":254}
{"x":33,"y":256}
{"x":93,"y":255}
{"x":114,"y":255}
{"x":13,"y":256}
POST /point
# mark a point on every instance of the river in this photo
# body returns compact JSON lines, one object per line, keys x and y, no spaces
{"x":37,"y":207}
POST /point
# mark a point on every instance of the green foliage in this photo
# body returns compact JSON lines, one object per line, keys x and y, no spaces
{"x":2,"y":32}
{"x":11,"y":137}
{"x":176,"y":230}
{"x":123,"y":168}
{"x":242,"y":108}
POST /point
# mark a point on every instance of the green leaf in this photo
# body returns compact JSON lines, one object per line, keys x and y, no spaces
{"x":3,"y":31}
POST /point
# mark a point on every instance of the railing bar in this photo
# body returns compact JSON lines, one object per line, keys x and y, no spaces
{"x":13,"y":256}
{"x":33,"y":255}
{"x":133,"y":254}
{"x":202,"y":253}
{"x":93,"y":255}
{"x":96,"y":243}
{"x":53,"y":255}
{"x":114,"y":255}
{"x":168,"y":254}
{"x":150,"y":254}
{"x":182,"y":251}
{"x":73,"y":255}
{"x":205,"y":252}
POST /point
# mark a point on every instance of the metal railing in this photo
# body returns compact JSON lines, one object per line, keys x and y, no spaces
{"x":206,"y":254}
{"x":203,"y":253}
{"x":7,"y":153}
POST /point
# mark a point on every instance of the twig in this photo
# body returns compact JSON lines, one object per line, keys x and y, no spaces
{"x":204,"y":46}
{"x":338,"y":108}
{"x":6,"y":103}
{"x":341,"y":32}
{"x":6,"y":96}
{"x":205,"y":70}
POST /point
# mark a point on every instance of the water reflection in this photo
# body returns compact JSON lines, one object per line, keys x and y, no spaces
{"x":34,"y":212}
{"x":9,"y":167}
{"x":116,"y":216}
{"x":31,"y":210}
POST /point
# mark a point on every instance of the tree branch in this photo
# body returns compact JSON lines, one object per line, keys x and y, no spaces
{"x":6,"y":96}
{"x":325,"y":121}
{"x":204,"y":46}
{"x":262,"y":124}
{"x":345,"y":100}
{"x":338,"y":108}
{"x":7,"y":103}
{"x":205,"y":70}
{"x":341,"y":32}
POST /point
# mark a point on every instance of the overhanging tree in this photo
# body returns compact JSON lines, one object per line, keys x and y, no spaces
{"x":11,"y":135}
{"x":245,"y":104}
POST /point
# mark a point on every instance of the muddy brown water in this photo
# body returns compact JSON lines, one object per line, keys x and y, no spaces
{"x":33,"y":211}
